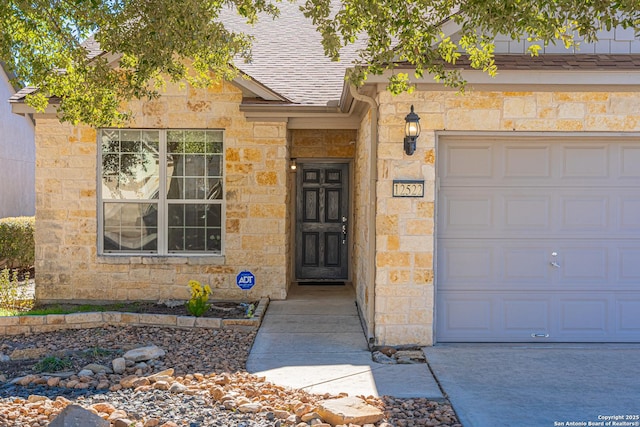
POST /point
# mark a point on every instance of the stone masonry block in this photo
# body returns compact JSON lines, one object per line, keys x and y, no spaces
{"x":208,"y":322}
{"x":9,"y":321}
{"x":157,"y":319}
{"x":185,"y":321}
{"x":76,"y":318}
{"x":130,"y":318}
{"x":32,"y":320}
{"x":55,"y":319}
{"x":113,"y":317}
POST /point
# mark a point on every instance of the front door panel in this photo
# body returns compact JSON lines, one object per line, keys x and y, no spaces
{"x":322,"y":221}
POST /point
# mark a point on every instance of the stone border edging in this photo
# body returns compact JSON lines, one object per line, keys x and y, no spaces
{"x":15,"y":325}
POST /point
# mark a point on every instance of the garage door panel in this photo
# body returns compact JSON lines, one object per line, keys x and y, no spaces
{"x":543,"y":247}
{"x":584,"y":212}
{"x":628,"y":318}
{"x":468,"y":161}
{"x":465,"y":263}
{"x":583,"y":265}
{"x":584,"y":316}
{"x":527,"y":213}
{"x":525,"y":265}
{"x":464,"y":314}
{"x":629,"y":213}
{"x":629,"y":265}
{"x":527,"y":160}
{"x":629,"y":159}
{"x":526,"y":316}
{"x":469,"y":213}
{"x":585,"y":161}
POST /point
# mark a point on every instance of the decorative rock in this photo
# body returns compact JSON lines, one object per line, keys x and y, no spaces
{"x":250,"y":408}
{"x":123,"y":422}
{"x":388,"y":351}
{"x":53,"y":381}
{"x":242,"y":401}
{"x":3,"y":378}
{"x":36,"y":398}
{"x":4,"y":358}
{"x":141,"y":382}
{"x":119,"y":365}
{"x":77,"y":416}
{"x":166,"y":373}
{"x":310,"y":416}
{"x":28,"y":353}
{"x":410,"y":356}
{"x":23,"y":381}
{"x":161,"y":385}
{"x":177,"y":388}
{"x":105,"y":407}
{"x":348,"y":410}
{"x":103,"y":385}
{"x":144,"y":353}
{"x":152,"y":422}
{"x":303,"y":409}
{"x":380,"y":357}
{"x":85,"y":373}
{"x":280,"y":414}
{"x":98,"y":369}
{"x":118,"y":413}
{"x":127,"y":382}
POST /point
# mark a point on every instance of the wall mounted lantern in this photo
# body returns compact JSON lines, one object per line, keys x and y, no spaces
{"x":411,"y":132}
{"x":293,"y":165}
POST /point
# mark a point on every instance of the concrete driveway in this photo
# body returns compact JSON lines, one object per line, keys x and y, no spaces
{"x":540,"y":385}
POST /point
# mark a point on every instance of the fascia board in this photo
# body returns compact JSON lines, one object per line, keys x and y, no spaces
{"x":532,"y":77}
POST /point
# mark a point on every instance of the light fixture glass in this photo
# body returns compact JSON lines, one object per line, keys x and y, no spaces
{"x":293,"y":165}
{"x":411,"y":132}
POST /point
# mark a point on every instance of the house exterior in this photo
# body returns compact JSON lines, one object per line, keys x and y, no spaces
{"x":17,"y":156}
{"x":515,"y":220}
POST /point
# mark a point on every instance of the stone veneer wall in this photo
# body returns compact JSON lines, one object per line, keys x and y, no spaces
{"x":363,"y":275}
{"x":323,"y":143}
{"x":405,"y":226}
{"x":257,"y":207}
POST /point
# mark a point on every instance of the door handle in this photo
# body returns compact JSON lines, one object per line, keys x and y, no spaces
{"x":344,"y":230}
{"x":554,"y":264}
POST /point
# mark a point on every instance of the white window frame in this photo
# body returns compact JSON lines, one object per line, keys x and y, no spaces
{"x":162,"y":201}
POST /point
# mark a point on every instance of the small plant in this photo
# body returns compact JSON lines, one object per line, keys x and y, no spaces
{"x":249,"y":310}
{"x":13,"y":293}
{"x":198,"y":305}
{"x":52,"y":364}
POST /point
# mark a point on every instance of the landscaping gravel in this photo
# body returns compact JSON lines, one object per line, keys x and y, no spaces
{"x":200,"y":381}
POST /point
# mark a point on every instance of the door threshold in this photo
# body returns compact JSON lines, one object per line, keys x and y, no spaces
{"x":320,"y":283}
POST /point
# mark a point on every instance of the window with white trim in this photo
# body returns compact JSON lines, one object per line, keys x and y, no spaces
{"x":161,"y":192}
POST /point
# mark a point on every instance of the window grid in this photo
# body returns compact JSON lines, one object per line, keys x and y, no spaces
{"x":189,"y":183}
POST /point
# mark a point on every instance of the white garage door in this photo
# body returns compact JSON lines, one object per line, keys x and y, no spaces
{"x":538,"y":239}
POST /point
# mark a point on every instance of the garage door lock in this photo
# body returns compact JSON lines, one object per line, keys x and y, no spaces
{"x":539,"y":335}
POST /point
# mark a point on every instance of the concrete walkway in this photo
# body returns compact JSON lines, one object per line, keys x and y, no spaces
{"x":314,"y":341}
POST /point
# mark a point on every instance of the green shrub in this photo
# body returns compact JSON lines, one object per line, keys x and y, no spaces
{"x":52,"y":364}
{"x":17,"y":247}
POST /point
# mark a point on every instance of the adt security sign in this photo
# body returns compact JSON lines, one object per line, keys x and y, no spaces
{"x":245,"y":280}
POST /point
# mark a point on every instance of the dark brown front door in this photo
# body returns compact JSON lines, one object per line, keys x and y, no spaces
{"x":321,"y":221}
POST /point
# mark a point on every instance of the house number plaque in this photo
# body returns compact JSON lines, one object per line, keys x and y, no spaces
{"x":407,"y":188}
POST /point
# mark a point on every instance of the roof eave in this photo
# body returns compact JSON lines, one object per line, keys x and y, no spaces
{"x":300,"y":116}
